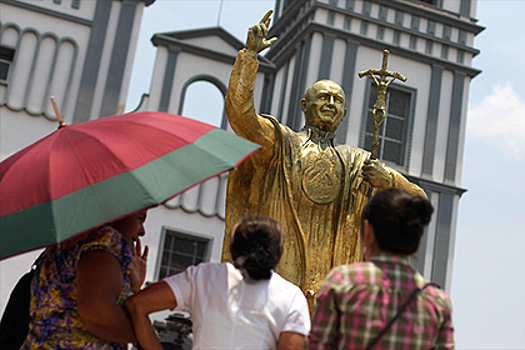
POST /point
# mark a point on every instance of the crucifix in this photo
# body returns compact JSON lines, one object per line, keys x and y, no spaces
{"x":379,"y":110}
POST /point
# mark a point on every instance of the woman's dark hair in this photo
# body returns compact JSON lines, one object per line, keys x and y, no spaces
{"x":398,"y":219}
{"x":259,"y":239}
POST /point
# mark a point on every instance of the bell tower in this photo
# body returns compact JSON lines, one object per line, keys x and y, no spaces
{"x":431,"y":42}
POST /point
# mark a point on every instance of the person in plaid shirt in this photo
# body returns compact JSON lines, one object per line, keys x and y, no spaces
{"x":357,"y":301}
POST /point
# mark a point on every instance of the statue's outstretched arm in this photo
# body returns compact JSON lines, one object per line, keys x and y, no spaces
{"x":239,"y":100}
{"x":399,"y":181}
{"x":383,"y":177}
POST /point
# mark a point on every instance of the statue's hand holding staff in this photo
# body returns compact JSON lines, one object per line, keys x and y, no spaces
{"x":257,"y":34}
{"x":376,"y":174}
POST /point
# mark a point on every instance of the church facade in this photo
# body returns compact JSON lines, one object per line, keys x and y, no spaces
{"x":87,"y":48}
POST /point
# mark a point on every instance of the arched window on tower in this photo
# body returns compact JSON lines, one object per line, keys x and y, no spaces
{"x":6,"y":60}
{"x":204,"y":101}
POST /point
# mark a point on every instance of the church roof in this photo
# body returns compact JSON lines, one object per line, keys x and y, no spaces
{"x":214,"y":42}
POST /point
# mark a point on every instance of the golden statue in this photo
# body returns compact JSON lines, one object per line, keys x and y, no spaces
{"x":315,"y":189}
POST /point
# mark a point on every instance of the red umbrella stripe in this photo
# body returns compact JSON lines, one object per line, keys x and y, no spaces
{"x":90,"y":139}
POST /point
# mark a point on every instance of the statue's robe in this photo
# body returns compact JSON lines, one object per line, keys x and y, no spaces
{"x":313,"y":188}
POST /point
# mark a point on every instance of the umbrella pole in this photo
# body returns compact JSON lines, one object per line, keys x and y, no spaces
{"x":57,"y":112}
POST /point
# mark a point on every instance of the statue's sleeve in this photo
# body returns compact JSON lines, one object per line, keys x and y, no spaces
{"x":244,"y":120}
{"x":399,"y":181}
{"x":240,"y":107}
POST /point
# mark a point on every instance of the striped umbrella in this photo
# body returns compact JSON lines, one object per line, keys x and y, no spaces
{"x":85,"y":175}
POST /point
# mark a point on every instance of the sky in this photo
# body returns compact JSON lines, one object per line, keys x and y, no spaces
{"x":489,"y":260}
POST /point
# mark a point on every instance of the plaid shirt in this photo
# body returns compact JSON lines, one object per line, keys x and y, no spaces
{"x":357,"y":301}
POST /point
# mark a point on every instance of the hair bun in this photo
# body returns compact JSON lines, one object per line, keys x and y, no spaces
{"x":418,"y":211}
{"x":399,"y":219}
{"x":259,"y":264}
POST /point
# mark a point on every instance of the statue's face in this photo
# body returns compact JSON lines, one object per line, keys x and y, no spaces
{"x":324,"y":105}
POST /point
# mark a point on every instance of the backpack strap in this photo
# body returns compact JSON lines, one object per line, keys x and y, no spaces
{"x":402,"y":309}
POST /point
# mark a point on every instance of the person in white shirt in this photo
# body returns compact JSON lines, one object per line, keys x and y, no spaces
{"x":242,"y":304}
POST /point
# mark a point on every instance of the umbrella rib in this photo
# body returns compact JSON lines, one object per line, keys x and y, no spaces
{"x":100,"y":143}
{"x":188,"y":137}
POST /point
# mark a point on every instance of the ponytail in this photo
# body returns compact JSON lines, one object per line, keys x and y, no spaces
{"x":256,"y":246}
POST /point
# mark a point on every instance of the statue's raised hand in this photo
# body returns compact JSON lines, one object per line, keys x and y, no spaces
{"x":257,"y":34}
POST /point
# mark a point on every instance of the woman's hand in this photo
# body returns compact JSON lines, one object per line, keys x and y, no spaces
{"x":138,"y":265}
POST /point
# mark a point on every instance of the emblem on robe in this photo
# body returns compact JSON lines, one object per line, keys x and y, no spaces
{"x":322,"y":179}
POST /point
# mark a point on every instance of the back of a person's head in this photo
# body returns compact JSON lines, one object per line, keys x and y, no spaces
{"x":399,"y":219}
{"x":256,"y":245}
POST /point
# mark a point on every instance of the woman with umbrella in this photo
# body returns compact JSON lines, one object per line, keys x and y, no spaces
{"x":83,"y":176}
{"x":80,"y":285}
{"x":242,"y":304}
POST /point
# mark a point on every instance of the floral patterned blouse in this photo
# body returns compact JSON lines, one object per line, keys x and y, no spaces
{"x":55,"y":322}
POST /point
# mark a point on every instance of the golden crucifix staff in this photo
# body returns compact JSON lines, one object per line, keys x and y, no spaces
{"x":379,"y":111}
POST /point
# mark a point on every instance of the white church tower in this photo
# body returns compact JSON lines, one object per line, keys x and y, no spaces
{"x":431,"y":43}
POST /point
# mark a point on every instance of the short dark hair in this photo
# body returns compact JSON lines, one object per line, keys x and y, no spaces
{"x":259,"y":239}
{"x":399,"y":219}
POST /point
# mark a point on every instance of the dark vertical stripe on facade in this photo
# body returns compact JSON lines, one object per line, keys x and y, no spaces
{"x":349,"y":74}
{"x":292,"y":108}
{"x":92,"y":61}
{"x":167,"y":81}
{"x":454,"y":126}
{"x":464,"y":9}
{"x":277,"y":9}
{"x":367,"y":8}
{"x":302,"y":81}
{"x":298,"y":84}
{"x":282,"y":95}
{"x":266,"y":100}
{"x":419,"y":258}
{"x":442,"y":243}
{"x":432,"y":120}
{"x":327,"y":53}
{"x":119,"y":56}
